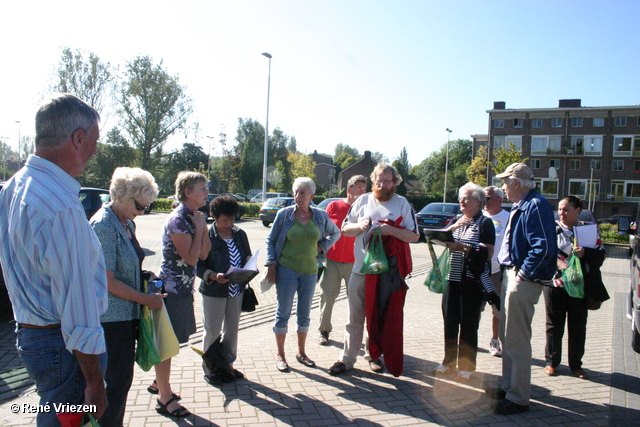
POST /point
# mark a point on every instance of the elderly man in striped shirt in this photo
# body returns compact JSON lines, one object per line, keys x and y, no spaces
{"x":53,"y":263}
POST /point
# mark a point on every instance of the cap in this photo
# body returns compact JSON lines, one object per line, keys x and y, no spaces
{"x":517,"y":170}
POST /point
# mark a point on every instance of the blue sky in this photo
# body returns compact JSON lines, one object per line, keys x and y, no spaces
{"x":377,"y":75}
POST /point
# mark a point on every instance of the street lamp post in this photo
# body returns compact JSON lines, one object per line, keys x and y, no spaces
{"x":209,"y":159}
{"x":266,"y":135}
{"x":591,"y":190}
{"x":446,"y":168}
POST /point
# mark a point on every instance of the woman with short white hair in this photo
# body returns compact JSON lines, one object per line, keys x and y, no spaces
{"x":132,"y":190}
{"x":299,"y":239}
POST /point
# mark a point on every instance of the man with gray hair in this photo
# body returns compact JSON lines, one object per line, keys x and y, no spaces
{"x":500,"y":218}
{"x":528,"y":254}
{"x":339,"y":258}
{"x":53,"y":263}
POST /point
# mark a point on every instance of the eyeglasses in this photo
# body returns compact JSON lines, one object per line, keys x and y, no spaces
{"x":488,"y":198}
{"x":139,"y":207}
{"x":464,"y":199}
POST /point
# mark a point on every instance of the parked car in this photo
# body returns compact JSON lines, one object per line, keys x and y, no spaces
{"x":258,"y":198}
{"x":323,"y":204}
{"x":613,"y":219}
{"x":205,"y":209}
{"x":625,"y":226}
{"x":272,"y":206}
{"x":585,"y":216}
{"x":6,"y":312}
{"x":92,"y":199}
{"x":242,"y":197}
{"x":436,"y":215}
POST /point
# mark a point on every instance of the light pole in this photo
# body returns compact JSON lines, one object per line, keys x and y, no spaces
{"x":18,"y":122}
{"x":209,"y":159}
{"x":266,"y":135}
{"x":591,"y":190}
{"x":446,"y":168}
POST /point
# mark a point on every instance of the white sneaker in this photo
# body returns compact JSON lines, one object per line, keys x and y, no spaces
{"x":494,"y":348}
{"x":441,"y":371}
{"x":463,"y":376}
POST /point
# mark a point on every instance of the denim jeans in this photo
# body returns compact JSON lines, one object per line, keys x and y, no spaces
{"x":54,"y":369}
{"x":288,"y":282}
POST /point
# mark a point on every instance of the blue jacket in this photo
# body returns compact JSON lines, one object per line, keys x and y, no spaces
{"x":533,"y":247}
{"x":329,"y":233}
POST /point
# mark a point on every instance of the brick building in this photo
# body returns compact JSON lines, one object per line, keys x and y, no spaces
{"x":594,"y":151}
{"x":364,"y":166}
{"x":325,"y":170}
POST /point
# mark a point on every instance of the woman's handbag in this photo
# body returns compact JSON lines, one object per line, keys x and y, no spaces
{"x":436,"y":280}
{"x":375,"y":261}
{"x":249,"y":300}
{"x":573,"y":278}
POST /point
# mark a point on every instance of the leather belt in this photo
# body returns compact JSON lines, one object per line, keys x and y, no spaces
{"x":28,"y":326}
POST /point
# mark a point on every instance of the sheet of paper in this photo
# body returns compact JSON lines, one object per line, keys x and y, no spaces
{"x":586,"y":235}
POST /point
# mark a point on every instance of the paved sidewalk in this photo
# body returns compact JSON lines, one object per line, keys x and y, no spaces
{"x":309,"y":397}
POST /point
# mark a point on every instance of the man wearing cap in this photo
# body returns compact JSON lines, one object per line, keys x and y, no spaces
{"x":528,"y":255}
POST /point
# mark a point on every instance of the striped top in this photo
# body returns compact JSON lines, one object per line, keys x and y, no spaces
{"x":480,"y":231}
{"x":235,"y":260}
{"x":52,"y":260}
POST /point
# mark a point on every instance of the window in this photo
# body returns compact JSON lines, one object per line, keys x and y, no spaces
{"x":555,"y":163}
{"x":598,"y":122}
{"x":517,"y":123}
{"x":542,"y":145}
{"x":593,"y":190}
{"x":498,"y":123}
{"x":547,"y":187}
{"x":617,"y":165}
{"x":576,"y":122}
{"x":556,"y":122}
{"x":536,"y":123}
{"x":516,"y":141}
{"x":534,"y":164}
{"x":593,"y":145}
{"x":504,"y":141}
{"x":620,"y":121}
{"x":596,"y":165}
{"x":578,"y":187}
{"x":636,"y":166}
{"x":622,"y":145}
{"x":632,"y":192}
{"x":499,"y":142}
{"x":576,"y":145}
{"x":574,"y":165}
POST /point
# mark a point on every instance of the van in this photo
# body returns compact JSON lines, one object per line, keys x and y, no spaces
{"x":626,"y":226}
{"x":258,"y":198}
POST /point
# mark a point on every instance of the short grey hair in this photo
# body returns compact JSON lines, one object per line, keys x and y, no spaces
{"x":356,"y":178}
{"x":496,"y":190}
{"x":524,"y":183}
{"x":60,"y":116}
{"x":477,"y":192}
{"x":384,"y":167}
{"x":129,"y":184}
{"x":303,"y":181}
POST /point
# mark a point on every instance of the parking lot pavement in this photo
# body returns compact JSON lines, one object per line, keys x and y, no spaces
{"x":309,"y":397}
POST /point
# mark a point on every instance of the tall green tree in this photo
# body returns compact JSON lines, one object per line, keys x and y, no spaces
{"x":114,"y":152}
{"x":431,"y":171}
{"x":153,"y":107}
{"x":249,"y":148}
{"x":86,"y":76}
{"x":477,"y":170}
{"x":505,"y":157}
{"x":302,"y":165}
{"x":341,"y":148}
{"x":403,"y":167}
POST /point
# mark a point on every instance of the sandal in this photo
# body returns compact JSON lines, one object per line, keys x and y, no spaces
{"x":282,"y":365}
{"x":153,"y":389}
{"x":181,"y":412}
{"x":305,"y":361}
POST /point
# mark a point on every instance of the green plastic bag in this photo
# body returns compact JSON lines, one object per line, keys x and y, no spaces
{"x":146,"y":350}
{"x":436,"y":280}
{"x":375,"y":261}
{"x":573,"y":278}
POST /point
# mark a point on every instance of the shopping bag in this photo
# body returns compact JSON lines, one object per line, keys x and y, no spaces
{"x":146,"y":350}
{"x":375,"y":261}
{"x":573,"y":278}
{"x":166,"y":340}
{"x":436,"y":280}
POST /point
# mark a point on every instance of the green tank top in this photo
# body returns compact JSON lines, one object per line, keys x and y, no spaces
{"x":301,"y":248}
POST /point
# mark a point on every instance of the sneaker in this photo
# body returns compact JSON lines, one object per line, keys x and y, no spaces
{"x":463,"y":376}
{"x":376,"y":366}
{"x":494,"y":347}
{"x":507,"y":407}
{"x":442,"y":371}
{"x":323,"y":339}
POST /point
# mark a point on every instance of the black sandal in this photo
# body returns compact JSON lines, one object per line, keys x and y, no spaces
{"x":181,"y":412}
{"x":305,"y":361}
{"x":154,"y":390}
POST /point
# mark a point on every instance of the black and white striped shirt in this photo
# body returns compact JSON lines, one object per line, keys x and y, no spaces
{"x":481,"y":230}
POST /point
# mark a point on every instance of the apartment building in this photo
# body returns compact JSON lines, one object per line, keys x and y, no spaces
{"x":589,"y":152}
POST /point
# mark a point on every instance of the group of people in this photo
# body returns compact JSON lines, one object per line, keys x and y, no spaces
{"x":78,"y":342}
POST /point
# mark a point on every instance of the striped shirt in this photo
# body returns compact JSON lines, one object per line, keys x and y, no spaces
{"x":480,"y":231}
{"x":52,"y":260}
{"x":236,"y":261}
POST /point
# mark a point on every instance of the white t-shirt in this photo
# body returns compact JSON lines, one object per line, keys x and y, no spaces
{"x":500,"y":221}
{"x":368,"y":207}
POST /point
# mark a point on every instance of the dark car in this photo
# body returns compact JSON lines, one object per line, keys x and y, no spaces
{"x":205,"y":209}
{"x":272,"y":206}
{"x":613,"y":219}
{"x":436,"y":215}
{"x":6,"y":312}
{"x":323,"y":204}
{"x":92,"y":199}
{"x":585,"y":216}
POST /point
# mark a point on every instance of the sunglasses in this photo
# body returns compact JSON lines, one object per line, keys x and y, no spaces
{"x":139,"y":207}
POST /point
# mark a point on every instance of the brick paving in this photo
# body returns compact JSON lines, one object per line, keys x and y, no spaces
{"x":312,"y":397}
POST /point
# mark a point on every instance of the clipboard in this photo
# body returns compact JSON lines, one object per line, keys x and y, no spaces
{"x":439,"y":237}
{"x":244,"y":275}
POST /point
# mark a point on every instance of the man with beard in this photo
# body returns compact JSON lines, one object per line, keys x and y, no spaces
{"x":383,"y":204}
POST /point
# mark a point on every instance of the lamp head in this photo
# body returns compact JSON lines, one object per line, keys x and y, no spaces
{"x":268,"y":55}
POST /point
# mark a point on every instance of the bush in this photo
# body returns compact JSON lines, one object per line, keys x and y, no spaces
{"x":162,"y":205}
{"x":609,"y":234}
{"x":253,"y":209}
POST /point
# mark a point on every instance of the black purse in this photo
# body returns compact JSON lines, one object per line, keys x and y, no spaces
{"x":249,"y":300}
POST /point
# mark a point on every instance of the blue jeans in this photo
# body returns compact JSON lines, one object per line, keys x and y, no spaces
{"x":288,"y":282}
{"x":54,"y":369}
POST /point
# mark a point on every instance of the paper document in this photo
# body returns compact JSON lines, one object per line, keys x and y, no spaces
{"x":586,"y":235}
{"x":243,"y":275}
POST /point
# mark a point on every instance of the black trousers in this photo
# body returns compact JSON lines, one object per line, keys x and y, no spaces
{"x":461,"y":308}
{"x":560,"y":308}
{"x":121,"y":344}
